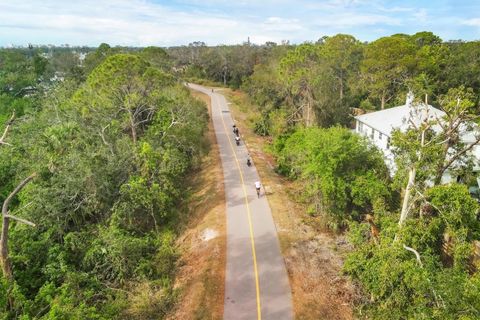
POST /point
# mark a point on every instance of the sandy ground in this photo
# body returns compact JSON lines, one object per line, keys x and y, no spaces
{"x":201,"y":276}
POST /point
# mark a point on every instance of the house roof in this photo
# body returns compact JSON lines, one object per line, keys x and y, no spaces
{"x":398,"y":117}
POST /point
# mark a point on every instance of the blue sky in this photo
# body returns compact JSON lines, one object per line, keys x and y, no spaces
{"x":167,"y":23}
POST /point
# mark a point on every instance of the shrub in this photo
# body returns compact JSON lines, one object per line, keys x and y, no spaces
{"x":343,"y":174}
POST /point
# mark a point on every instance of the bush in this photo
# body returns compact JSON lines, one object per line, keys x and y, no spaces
{"x":343,"y":174}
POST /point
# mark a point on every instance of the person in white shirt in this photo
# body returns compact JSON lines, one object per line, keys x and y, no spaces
{"x":258,"y":185}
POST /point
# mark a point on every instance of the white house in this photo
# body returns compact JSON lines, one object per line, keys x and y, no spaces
{"x":378,"y":127}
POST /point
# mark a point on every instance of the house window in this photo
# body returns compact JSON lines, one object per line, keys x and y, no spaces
{"x":372,"y":134}
{"x":360,"y":126}
{"x":388,"y":142}
{"x":380,"y":136}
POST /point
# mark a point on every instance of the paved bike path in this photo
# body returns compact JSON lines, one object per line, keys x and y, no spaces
{"x":256,"y":281}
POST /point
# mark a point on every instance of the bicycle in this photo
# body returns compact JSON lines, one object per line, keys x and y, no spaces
{"x":258,"y":185}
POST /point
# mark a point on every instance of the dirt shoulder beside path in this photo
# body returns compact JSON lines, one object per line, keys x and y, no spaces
{"x":313,"y":256}
{"x":201,"y":276}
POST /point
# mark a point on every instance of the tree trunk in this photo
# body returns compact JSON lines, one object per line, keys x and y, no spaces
{"x":307,"y":121}
{"x":438,"y":176}
{"x":4,"y":135}
{"x":440,"y":167}
{"x":132,"y":128}
{"x":341,"y":89}
{"x":4,"y":257}
{"x":224,"y":74}
{"x":310,"y":113}
{"x":383,"y":101}
{"x":406,"y":198}
{"x":447,"y":163}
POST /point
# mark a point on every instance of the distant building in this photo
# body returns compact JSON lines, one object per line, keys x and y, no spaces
{"x":378,"y":126}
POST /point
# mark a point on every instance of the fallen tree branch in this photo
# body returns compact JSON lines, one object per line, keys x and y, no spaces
{"x":438,"y":299}
{"x":22,"y":184}
{"x":4,"y":256}
{"x":416,"y":254}
{"x":20,"y":220}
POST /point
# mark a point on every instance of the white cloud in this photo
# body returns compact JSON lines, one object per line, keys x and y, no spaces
{"x":397,"y":9}
{"x":118,"y":22}
{"x":281,"y":24}
{"x":165,"y":23}
{"x":472,"y":22}
{"x":356,"y":20}
{"x":421,"y":16}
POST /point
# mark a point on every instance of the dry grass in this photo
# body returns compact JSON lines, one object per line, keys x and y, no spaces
{"x":313,"y":256}
{"x":146,"y":301}
{"x":201,"y":274}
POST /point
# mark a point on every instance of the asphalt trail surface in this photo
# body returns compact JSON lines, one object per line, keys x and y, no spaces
{"x":256,"y":281}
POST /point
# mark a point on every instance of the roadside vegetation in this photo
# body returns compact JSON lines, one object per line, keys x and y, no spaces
{"x":107,"y":151}
{"x":415,"y":246}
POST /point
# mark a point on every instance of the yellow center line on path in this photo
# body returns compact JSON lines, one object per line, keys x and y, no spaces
{"x":257,"y":286}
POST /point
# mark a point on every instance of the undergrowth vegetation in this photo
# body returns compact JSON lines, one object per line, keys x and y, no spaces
{"x":111,"y":156}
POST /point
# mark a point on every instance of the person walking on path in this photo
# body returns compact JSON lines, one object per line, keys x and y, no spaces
{"x":258,"y":185}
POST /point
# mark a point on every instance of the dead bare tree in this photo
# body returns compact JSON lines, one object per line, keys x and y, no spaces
{"x":5,"y":132}
{"x":139,"y":111}
{"x":6,"y":216}
{"x":458,"y":120}
{"x":412,"y":171}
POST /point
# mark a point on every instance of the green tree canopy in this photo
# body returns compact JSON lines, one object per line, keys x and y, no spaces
{"x":387,"y":63}
{"x":343,"y":175}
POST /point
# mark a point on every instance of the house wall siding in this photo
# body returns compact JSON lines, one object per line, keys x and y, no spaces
{"x":379,"y":139}
{"x":381,"y":142}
